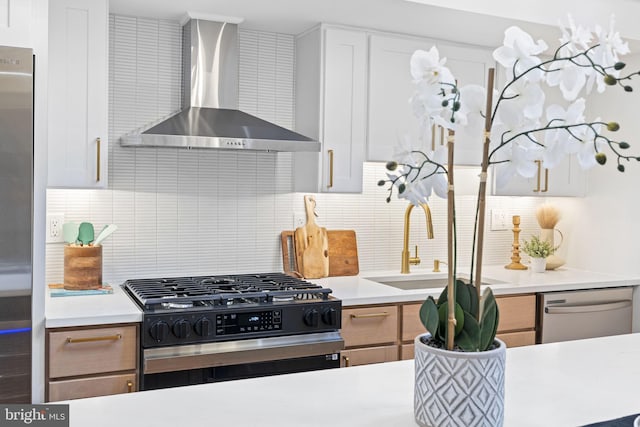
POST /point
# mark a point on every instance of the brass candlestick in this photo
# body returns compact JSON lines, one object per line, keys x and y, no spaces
{"x":515,"y":257}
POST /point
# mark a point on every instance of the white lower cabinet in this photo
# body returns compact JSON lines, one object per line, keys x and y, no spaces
{"x":331,"y":93}
{"x":78,"y":76}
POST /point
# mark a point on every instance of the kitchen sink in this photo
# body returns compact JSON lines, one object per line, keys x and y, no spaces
{"x":411,"y":282}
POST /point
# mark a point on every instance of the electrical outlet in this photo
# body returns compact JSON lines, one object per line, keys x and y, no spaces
{"x":299,"y":219}
{"x":54,"y":228}
{"x":499,"y":220}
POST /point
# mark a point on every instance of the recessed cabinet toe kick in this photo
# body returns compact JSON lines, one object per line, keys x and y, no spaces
{"x":575,"y":315}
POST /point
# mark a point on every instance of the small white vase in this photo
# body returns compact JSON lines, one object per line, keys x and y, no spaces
{"x":538,"y":265}
{"x":461,"y":389}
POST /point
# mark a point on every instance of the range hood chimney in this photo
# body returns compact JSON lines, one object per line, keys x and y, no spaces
{"x":209,"y":117}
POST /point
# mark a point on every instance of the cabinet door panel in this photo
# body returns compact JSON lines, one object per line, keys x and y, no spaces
{"x":518,"y":339}
{"x":517,"y":312}
{"x":390,"y":88}
{"x":90,"y":351}
{"x":365,"y":356}
{"x":344,"y":110}
{"x":91,"y":387}
{"x":372,"y":325}
{"x":411,"y":324}
{"x":78,"y":93}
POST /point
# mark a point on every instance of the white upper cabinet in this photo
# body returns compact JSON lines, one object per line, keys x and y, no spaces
{"x":566,"y":179}
{"x":15,"y":23}
{"x":390,"y":88}
{"x":78,"y":75}
{"x":331,"y":105}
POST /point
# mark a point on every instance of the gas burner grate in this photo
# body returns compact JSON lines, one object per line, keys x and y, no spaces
{"x":223,"y":290}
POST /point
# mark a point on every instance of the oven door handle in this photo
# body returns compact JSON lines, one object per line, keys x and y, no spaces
{"x":587,"y":308}
{"x":196,"y":356}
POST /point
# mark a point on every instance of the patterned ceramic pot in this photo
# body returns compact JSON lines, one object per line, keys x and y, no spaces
{"x":455,"y":388}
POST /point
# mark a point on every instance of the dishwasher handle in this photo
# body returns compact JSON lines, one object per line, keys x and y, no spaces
{"x":587,"y":308}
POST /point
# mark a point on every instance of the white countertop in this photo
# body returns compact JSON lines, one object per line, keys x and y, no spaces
{"x":352,"y":290}
{"x":355,"y":290}
{"x":560,"y":384}
{"x":83,"y":310}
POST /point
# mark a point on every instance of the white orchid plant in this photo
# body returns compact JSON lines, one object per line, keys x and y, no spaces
{"x":518,"y":133}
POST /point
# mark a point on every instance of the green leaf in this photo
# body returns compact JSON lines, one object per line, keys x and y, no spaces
{"x":462,"y":296}
{"x":489,"y":319}
{"x":469,"y":337}
{"x":429,"y":316}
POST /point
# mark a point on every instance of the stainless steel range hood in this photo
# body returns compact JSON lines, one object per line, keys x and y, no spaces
{"x":210,"y":117}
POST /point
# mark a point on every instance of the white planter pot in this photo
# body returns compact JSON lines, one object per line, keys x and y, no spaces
{"x":538,"y":265}
{"x":455,"y":388}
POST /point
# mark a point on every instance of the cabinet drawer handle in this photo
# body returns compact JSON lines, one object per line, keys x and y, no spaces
{"x":347,"y":362}
{"x":369,"y":315}
{"x":546,"y":180}
{"x":129,"y":386}
{"x":93,"y":339}
{"x":97,"y":159}
{"x":539,"y":163}
{"x":330,"y":152}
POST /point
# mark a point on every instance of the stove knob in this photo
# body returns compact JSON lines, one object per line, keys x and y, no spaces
{"x":159,"y":331}
{"x":311,"y":317}
{"x":330,"y":316}
{"x":182,"y":328}
{"x":203,"y":327}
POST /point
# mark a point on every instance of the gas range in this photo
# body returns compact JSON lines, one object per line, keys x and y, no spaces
{"x":205,"y":309}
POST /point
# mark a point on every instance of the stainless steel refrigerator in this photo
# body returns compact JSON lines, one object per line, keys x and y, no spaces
{"x":16,"y":222}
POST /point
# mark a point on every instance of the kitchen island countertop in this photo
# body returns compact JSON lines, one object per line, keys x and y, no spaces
{"x":560,"y":384}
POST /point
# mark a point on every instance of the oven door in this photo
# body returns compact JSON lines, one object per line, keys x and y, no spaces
{"x":222,"y":361}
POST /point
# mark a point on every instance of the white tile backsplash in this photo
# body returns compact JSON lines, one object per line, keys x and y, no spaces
{"x":184,"y":212}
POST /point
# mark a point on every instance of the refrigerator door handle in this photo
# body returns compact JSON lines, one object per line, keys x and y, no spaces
{"x":588,"y":308}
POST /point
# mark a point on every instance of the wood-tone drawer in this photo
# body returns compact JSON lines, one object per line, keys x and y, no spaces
{"x":518,"y":339}
{"x":372,"y":325}
{"x":365,"y":356}
{"x":91,"y":351}
{"x":411,"y":324}
{"x":517,"y":312}
{"x":407,"y":351}
{"x":92,"y":386}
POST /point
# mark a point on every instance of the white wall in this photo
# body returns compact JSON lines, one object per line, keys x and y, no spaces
{"x":184,"y":212}
{"x":605,"y":226}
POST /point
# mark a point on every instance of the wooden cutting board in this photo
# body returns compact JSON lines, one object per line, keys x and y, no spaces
{"x":343,"y":252}
{"x":312,"y":245}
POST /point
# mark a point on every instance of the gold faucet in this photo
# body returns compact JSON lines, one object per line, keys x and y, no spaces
{"x":406,"y":258}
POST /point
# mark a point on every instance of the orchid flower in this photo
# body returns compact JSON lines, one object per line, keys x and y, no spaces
{"x":518,"y":54}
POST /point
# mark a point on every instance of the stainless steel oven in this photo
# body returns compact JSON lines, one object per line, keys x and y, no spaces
{"x":217,"y":328}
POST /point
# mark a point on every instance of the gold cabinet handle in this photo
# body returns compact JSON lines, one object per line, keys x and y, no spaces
{"x":129,"y":386}
{"x":330,"y":152}
{"x":347,"y":362}
{"x":94,"y":339}
{"x":369,"y":315}
{"x":98,"y":160}
{"x":539,"y":163}
{"x":546,"y":180}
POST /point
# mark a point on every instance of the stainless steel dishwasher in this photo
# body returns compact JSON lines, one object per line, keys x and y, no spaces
{"x":573,"y":315}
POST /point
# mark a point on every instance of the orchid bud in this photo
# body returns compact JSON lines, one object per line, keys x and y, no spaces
{"x":389,"y":199}
{"x":624,"y":145}
{"x":456,"y":106}
{"x":613,"y":126}
{"x":628,"y":89}
{"x":381,"y":182}
{"x":610,"y":80}
{"x":619,"y":65}
{"x":392,"y":165}
{"x":621,"y":168}
{"x":445,"y":102}
{"x":601,"y":158}
{"x":401,"y":188}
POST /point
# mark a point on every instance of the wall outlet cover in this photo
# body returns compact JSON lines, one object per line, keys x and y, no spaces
{"x":54,"y":228}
